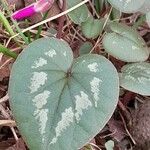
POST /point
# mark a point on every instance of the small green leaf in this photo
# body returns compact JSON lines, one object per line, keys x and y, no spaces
{"x":115,"y":15}
{"x":7,"y":52}
{"x":99,"y":5}
{"x":127,"y":6}
{"x":80,"y":14}
{"x":60,"y":103}
{"x":148,"y":18}
{"x":125,"y":44}
{"x":136,"y":78}
{"x":109,"y":145}
{"x":85,"y":48}
{"x":6,"y":24}
{"x":92,"y":28}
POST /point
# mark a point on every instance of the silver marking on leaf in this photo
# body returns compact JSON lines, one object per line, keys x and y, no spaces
{"x":39,"y":63}
{"x":41,"y":99}
{"x":82,"y":103}
{"x":95,"y":88}
{"x":138,"y":73}
{"x":65,"y":54}
{"x":38,"y":79}
{"x":42,"y":116}
{"x":67,"y":117}
{"x":83,"y":61}
{"x":51,"y":53}
{"x":130,"y":77}
{"x":93,"y":67}
{"x":134,"y":47}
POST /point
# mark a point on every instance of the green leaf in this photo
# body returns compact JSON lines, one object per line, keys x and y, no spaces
{"x":60,"y":103}
{"x":80,"y":14}
{"x":125,"y":44}
{"x":7,"y":52}
{"x":92,"y":28}
{"x":136,"y":78}
{"x":115,"y":15}
{"x":6,"y":24}
{"x":148,"y":18}
{"x":145,"y":7}
{"x":127,"y":6}
{"x":99,"y":5}
{"x":85,"y":48}
{"x":109,"y":145}
{"x":140,"y":20}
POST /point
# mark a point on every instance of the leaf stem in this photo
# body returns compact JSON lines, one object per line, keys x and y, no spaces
{"x":40,"y":27}
{"x":7,"y":52}
{"x":6,"y":24}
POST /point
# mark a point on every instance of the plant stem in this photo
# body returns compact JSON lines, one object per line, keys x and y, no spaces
{"x":40,"y":27}
{"x":20,"y":32}
{"x":14,"y":22}
{"x":139,"y":22}
{"x":8,"y":27}
{"x":6,"y":24}
{"x":7,"y":52}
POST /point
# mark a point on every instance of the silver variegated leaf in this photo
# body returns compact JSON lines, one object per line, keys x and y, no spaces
{"x":60,"y":103}
{"x":125,"y":44}
{"x":136,"y":78}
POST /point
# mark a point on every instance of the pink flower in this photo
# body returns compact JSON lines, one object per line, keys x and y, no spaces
{"x":40,"y":6}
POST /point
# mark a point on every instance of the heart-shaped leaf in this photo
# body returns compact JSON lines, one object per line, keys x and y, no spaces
{"x":78,"y":15}
{"x":136,"y":78}
{"x":59,"y":103}
{"x":127,"y":6}
{"x":85,"y":48}
{"x":125,"y":44}
{"x":92,"y":28}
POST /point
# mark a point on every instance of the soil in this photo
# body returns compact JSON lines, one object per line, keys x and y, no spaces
{"x":140,"y":128}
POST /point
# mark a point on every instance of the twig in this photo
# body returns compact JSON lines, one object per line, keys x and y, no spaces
{"x":125,"y":126}
{"x":4,"y":99}
{"x":9,"y":123}
{"x":7,"y":116}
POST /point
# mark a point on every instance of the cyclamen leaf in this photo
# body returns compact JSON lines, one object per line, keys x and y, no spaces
{"x":60,"y":103}
{"x":109,"y":145}
{"x":136,"y":78}
{"x":127,"y":6}
{"x":115,"y":15}
{"x":148,"y":18}
{"x":80,"y":14}
{"x":92,"y":28}
{"x":145,"y":7}
{"x":99,"y":5}
{"x":125,"y":44}
{"x":85,"y":48}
